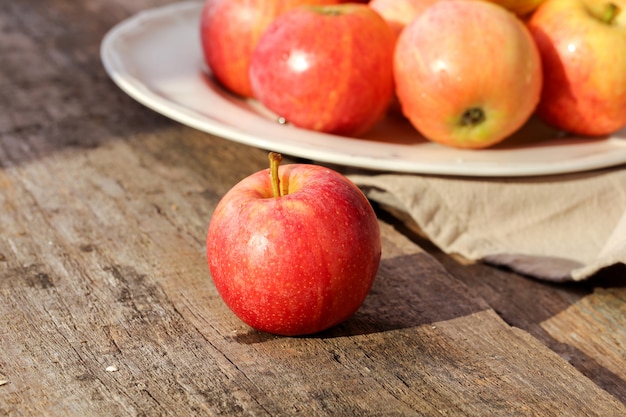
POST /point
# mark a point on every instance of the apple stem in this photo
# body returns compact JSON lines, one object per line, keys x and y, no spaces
{"x":275,"y":159}
{"x":472,"y":117}
{"x":610,"y":13}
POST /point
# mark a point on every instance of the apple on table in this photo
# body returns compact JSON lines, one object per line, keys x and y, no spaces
{"x":293,"y":249}
{"x":583,"y":50}
{"x":468,"y":73}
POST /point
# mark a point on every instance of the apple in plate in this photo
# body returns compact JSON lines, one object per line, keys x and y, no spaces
{"x":326,"y":68}
{"x":468,"y":73}
{"x":399,"y":13}
{"x":522,"y":8}
{"x":229,"y":31}
{"x":295,"y":249}
{"x":583,"y":50}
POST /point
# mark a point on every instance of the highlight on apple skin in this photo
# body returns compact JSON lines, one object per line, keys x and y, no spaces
{"x":229,"y":32}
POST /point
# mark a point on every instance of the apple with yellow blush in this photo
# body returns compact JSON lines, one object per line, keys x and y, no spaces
{"x":468,"y":73}
{"x":583,"y":50}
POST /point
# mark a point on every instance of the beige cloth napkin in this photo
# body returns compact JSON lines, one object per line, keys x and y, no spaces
{"x":556,"y":228}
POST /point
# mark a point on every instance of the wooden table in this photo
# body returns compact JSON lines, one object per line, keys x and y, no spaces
{"x":108,"y":309}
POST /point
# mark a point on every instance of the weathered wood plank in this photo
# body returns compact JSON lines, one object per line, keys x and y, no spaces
{"x":116,"y":276}
{"x":579,"y":321}
{"x":594,"y":325}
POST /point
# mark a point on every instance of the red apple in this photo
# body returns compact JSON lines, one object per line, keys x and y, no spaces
{"x":583,"y":49}
{"x":468,"y":73}
{"x":326,"y":68}
{"x":229,"y":31}
{"x":293,"y":250}
{"x":399,"y":13}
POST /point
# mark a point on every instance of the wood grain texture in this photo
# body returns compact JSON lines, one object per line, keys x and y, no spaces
{"x":107,"y":306}
{"x":540,"y":307}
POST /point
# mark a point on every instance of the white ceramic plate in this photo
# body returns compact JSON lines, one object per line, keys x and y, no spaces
{"x":156,"y":58}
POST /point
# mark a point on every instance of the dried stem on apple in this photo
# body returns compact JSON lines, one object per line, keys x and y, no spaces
{"x":610,"y":13}
{"x":275,"y":159}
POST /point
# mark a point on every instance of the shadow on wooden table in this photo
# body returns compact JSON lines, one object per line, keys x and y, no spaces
{"x":409,"y":291}
{"x":580,"y":310}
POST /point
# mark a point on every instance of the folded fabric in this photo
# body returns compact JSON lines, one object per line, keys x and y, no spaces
{"x":556,"y":228}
